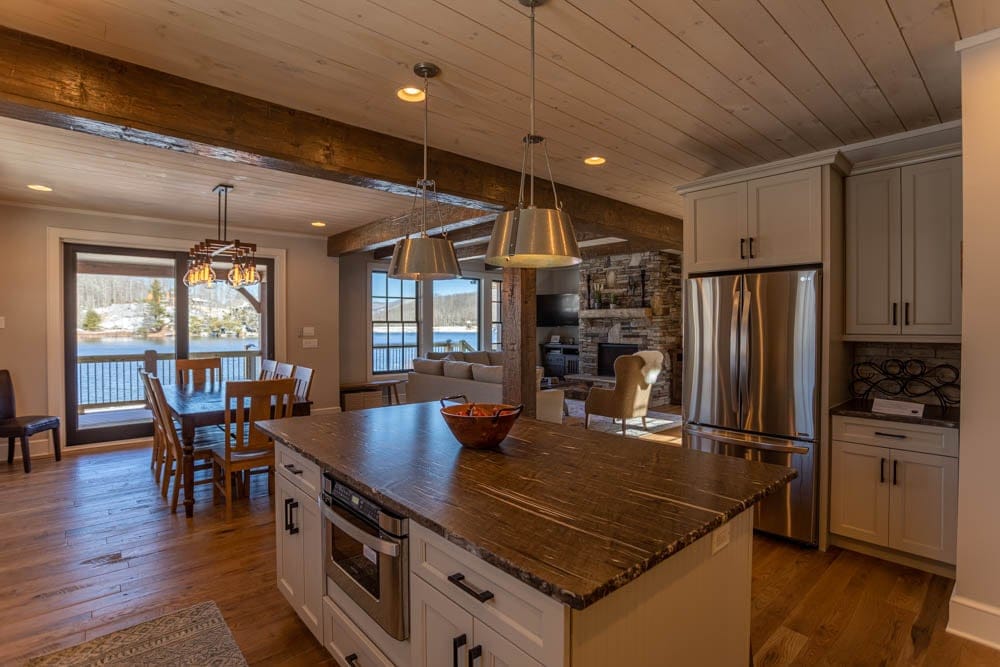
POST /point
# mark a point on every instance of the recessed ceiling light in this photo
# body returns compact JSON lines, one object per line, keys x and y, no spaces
{"x":318,"y":223}
{"x":40,"y":188}
{"x":410,"y":94}
{"x":594,"y":160}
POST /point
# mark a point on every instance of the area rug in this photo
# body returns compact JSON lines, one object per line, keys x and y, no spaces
{"x":661,"y":427}
{"x":197,"y":635}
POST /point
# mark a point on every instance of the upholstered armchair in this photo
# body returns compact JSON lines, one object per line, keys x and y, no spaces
{"x":634,"y":378}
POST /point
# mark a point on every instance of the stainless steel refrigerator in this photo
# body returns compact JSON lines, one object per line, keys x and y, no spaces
{"x":751,"y":369}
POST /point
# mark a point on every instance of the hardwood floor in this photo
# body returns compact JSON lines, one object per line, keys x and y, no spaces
{"x":89,"y":547}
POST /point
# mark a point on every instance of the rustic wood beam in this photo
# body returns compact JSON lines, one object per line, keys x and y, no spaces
{"x":619,"y":248}
{"x":518,"y":337}
{"x":61,"y":86}
{"x":474,"y":235}
{"x":387,"y":231}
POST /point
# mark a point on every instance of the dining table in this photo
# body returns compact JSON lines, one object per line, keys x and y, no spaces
{"x":205,"y":405}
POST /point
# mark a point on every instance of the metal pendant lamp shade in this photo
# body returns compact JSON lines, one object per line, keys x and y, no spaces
{"x":533,"y":238}
{"x":530,"y":237}
{"x":424,"y":258}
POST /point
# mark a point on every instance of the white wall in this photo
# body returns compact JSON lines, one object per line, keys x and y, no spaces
{"x":311,"y":295}
{"x":975,"y":606}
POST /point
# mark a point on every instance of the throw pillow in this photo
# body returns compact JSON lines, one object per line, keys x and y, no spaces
{"x":477,"y":357}
{"x":484,"y":373}
{"x":428,"y":366}
{"x":457,"y":369}
{"x":437,"y":355}
{"x":455,"y":356}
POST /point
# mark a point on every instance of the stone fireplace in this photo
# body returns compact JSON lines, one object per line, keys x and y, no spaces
{"x":647,"y":316}
{"x":608,"y":352}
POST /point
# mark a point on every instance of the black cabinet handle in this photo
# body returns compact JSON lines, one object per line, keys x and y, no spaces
{"x":742,"y":251}
{"x":895,"y":471}
{"x":292,"y":528}
{"x":457,"y":643}
{"x":895,"y":319}
{"x":751,"y":247}
{"x":352,"y":660}
{"x":290,"y":467}
{"x":881,"y":471}
{"x":459,"y":580}
{"x":288,"y":514}
{"x":897,"y":436}
{"x":475,"y":653}
{"x":906,"y":314}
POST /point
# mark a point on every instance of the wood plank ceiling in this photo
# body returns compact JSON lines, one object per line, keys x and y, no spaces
{"x":99,"y":174}
{"x":666,"y":90}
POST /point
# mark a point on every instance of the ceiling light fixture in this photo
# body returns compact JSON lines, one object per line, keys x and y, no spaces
{"x":411,"y":94}
{"x":242,"y":256}
{"x":530,"y":237}
{"x":594,"y":160}
{"x":423,"y":257}
{"x":318,"y":223}
{"x":39,"y":188}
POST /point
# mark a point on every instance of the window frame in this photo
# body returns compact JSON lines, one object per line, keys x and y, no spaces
{"x":370,"y":296}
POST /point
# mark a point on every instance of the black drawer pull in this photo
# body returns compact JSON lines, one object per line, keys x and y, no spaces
{"x":743,"y":254}
{"x":288,"y":520}
{"x":352,"y":660}
{"x":897,"y":436}
{"x":881,"y":471}
{"x":895,"y":473}
{"x":459,"y":580}
{"x":475,"y":653}
{"x":457,"y":643}
{"x":752,"y":256}
{"x":290,"y":467}
{"x":292,"y":505}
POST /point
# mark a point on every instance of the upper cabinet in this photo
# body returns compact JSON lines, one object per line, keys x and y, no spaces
{"x":904,"y":251}
{"x":758,"y":223}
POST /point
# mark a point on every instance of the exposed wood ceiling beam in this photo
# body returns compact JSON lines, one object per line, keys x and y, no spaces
{"x":474,"y":235}
{"x":386,"y":231}
{"x":57,"y":85}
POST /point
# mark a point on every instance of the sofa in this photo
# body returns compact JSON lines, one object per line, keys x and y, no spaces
{"x":476,"y":375}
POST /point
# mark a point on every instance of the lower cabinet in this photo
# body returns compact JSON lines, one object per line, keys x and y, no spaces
{"x":347,"y":643}
{"x":446,"y":634}
{"x":895,"y":498}
{"x":300,"y":551}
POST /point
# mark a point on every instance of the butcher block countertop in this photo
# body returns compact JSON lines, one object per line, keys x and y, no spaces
{"x":573,"y":513}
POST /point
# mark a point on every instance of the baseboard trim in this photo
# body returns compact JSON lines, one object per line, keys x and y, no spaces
{"x":893,"y":556}
{"x":974,"y":620}
{"x":39,"y":445}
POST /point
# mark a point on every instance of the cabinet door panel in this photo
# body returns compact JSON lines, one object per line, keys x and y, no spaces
{"x":859,"y":492}
{"x":932,"y":247}
{"x":290,"y":578}
{"x":498,"y":651}
{"x":785,"y":219}
{"x":714,"y":222}
{"x":309,"y":522}
{"x":874,"y":301}
{"x":923,"y":507}
{"x":435,"y":624}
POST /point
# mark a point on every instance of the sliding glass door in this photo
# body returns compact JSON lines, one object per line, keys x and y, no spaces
{"x":127,"y":309}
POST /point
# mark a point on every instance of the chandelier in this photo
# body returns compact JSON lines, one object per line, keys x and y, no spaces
{"x":242,"y":256}
{"x":529,"y":237}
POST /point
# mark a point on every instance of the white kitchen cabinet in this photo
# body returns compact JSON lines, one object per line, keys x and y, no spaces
{"x":759,"y":223}
{"x":924,"y":505}
{"x":345,"y":641}
{"x":904,"y":251}
{"x":896,"y":496}
{"x":785,"y":219}
{"x":496,"y":651}
{"x":715,"y":221}
{"x":299,"y":550}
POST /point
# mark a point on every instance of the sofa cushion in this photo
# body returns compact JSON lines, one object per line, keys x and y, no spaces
{"x":457,"y":369}
{"x":437,"y":355}
{"x":496,"y":358}
{"x":486,"y":373}
{"x":477,"y":358}
{"x":428,"y":366}
{"x":455,"y":356}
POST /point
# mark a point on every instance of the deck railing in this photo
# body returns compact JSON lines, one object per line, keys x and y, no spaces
{"x":112,"y":380}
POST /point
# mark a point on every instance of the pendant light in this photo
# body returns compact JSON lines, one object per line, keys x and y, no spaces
{"x":423,"y":257}
{"x":529,"y":237}
{"x":242,"y":255}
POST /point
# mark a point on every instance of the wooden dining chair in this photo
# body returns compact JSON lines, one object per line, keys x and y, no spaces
{"x":283,"y":370}
{"x":199,"y":372}
{"x":267,"y":367}
{"x":173,"y":469}
{"x":246,"y":447}
{"x":303,"y":381}
{"x":159,"y":446}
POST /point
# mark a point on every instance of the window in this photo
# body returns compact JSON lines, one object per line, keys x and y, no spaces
{"x":395,"y":330}
{"x":496,"y":315}
{"x":457,"y":313}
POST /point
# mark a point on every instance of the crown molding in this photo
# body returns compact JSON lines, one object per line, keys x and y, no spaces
{"x":828,"y":157}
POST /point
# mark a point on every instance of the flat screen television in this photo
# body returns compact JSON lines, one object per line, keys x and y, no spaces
{"x":558,"y":310}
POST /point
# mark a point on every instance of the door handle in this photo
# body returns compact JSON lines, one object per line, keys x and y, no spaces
{"x":293,"y":505}
{"x":352,"y":660}
{"x":459,"y":580}
{"x":457,"y":643}
{"x":906,"y":314}
{"x":881,"y":471}
{"x":895,"y":307}
{"x":895,"y":471}
{"x":372,"y":542}
{"x":742,"y":251}
{"x":475,"y":653}
{"x":290,"y":467}
{"x":751,"y":247}
{"x":288,"y":520}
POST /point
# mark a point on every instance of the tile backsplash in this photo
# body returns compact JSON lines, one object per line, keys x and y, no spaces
{"x":931,"y":354}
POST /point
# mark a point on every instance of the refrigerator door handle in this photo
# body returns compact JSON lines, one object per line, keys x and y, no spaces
{"x":734,"y":350}
{"x":745,"y":350}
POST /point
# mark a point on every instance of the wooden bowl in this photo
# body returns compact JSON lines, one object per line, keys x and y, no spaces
{"x":480,"y":425}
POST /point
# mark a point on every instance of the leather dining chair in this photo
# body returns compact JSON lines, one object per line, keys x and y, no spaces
{"x":13,"y":427}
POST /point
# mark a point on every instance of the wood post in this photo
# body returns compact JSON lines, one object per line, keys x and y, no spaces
{"x":519,"y":335}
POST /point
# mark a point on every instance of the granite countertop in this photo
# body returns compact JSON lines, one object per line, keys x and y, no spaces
{"x":573,"y":513}
{"x":933,"y":414}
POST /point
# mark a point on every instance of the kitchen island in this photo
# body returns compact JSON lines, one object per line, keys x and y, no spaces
{"x":596,"y":549}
